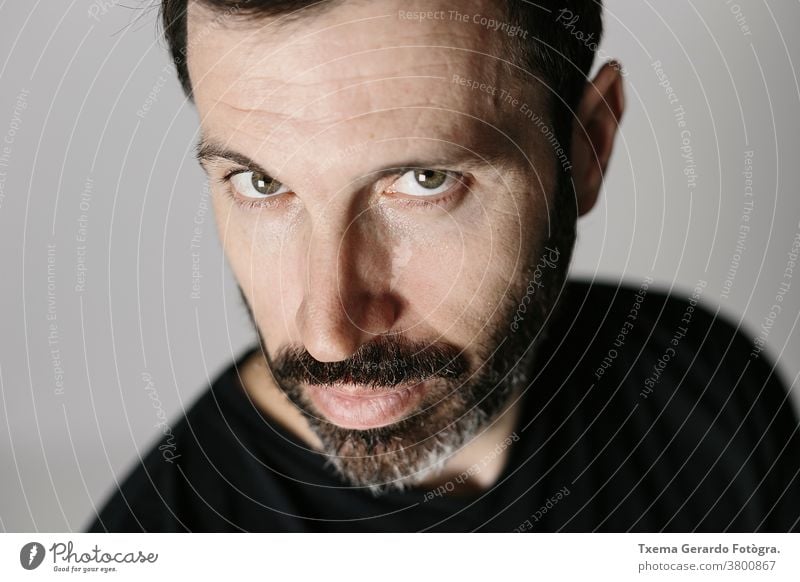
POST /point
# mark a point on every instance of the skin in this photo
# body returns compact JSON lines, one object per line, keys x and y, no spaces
{"x":330,"y":106}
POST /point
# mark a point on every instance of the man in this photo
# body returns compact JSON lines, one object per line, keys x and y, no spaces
{"x":396,"y":187}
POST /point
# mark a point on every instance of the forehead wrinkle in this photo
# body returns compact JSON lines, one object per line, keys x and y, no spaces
{"x":367,"y":97}
{"x":263,"y":90}
{"x":430,"y":120}
{"x":299,"y":116}
{"x":330,"y":110}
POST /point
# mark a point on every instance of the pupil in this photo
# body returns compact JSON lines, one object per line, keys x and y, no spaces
{"x":430,"y":178}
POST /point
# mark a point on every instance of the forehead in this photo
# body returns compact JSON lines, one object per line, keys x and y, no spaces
{"x":356,"y":70}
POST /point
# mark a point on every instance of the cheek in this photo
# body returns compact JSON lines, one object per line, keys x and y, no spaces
{"x":459,"y":280}
{"x":255,"y":253}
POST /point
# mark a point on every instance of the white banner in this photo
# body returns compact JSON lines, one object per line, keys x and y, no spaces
{"x":400,"y":557}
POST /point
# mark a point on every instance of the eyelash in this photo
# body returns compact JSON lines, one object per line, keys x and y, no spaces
{"x":257,"y":203}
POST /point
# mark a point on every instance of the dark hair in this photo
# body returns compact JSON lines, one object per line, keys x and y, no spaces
{"x":559,"y":43}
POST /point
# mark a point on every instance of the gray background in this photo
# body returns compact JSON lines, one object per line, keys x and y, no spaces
{"x":83,"y":163}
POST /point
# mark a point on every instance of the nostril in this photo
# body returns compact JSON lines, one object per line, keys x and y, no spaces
{"x":334,"y":326}
{"x":325,"y":328}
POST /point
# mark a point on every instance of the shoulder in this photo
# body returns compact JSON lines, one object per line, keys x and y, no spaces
{"x":694,"y":398}
{"x":662,"y":341}
{"x":647,"y":320}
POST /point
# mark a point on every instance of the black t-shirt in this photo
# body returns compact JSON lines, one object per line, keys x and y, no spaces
{"x":645,"y":412}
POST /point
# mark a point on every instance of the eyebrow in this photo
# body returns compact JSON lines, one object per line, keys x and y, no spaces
{"x":210,"y":151}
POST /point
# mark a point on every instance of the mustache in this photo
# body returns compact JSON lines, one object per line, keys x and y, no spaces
{"x":385,"y":361}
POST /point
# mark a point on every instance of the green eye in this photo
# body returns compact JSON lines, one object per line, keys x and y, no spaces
{"x":430,"y":179}
{"x":425,"y":183}
{"x":264,"y":184}
{"x":256,"y":185}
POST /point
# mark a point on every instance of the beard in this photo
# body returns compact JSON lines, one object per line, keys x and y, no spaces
{"x":462,"y":399}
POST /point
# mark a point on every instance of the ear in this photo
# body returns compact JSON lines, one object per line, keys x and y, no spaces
{"x":597,"y":119}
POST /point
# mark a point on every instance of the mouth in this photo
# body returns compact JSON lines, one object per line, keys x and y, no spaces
{"x":361,"y":407}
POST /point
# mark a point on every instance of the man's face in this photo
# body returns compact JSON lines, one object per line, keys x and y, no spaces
{"x":385,"y":222}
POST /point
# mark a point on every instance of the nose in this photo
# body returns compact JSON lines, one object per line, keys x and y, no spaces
{"x":347,"y":298}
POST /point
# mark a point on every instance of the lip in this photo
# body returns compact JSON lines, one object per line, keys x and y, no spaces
{"x":359,"y":407}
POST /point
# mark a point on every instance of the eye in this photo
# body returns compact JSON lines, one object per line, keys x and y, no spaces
{"x":256,"y":185}
{"x":424,"y":182}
